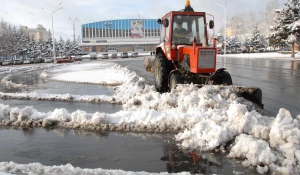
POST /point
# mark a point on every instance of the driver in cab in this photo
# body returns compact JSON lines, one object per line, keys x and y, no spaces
{"x":180,"y":34}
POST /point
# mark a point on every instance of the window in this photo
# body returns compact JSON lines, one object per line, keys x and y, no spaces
{"x":187,"y":27}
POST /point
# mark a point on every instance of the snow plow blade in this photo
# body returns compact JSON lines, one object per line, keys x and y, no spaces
{"x":253,"y":94}
{"x":148,"y":63}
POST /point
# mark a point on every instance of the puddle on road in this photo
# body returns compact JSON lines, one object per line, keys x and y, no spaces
{"x":55,"y":87}
{"x":110,"y":150}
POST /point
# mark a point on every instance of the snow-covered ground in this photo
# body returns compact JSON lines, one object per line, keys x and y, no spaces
{"x":206,"y":119}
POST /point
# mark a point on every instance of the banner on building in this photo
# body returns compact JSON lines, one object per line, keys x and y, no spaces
{"x":136,"y":29}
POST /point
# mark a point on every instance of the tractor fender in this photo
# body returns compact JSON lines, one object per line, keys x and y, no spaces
{"x":220,"y":70}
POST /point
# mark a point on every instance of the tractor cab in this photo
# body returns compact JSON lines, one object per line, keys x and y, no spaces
{"x":184,"y":34}
{"x":185,"y":26}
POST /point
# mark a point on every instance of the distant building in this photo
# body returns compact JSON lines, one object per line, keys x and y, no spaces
{"x":38,"y":33}
{"x":121,"y":35}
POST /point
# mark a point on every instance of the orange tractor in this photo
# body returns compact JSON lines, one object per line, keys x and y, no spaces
{"x":186,"y":56}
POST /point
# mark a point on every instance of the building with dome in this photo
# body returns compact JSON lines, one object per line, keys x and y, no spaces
{"x":120,"y":35}
{"x":38,"y":33}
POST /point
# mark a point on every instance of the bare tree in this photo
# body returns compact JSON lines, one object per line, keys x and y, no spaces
{"x":237,"y":24}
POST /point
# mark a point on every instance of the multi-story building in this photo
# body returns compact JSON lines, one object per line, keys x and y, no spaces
{"x":38,"y":33}
{"x":120,"y":35}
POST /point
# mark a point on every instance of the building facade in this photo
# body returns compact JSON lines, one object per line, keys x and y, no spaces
{"x":121,"y":35}
{"x":38,"y":33}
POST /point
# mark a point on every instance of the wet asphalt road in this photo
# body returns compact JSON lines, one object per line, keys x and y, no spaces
{"x":279,"y":81}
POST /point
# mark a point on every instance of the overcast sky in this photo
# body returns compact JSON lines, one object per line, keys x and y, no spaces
{"x":30,"y":13}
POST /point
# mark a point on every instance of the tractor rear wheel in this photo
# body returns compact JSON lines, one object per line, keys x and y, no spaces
{"x":162,"y":69}
{"x":175,"y":79}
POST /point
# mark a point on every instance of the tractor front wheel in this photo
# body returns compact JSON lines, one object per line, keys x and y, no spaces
{"x":175,"y":79}
{"x":162,"y":69}
{"x":221,"y":77}
{"x":226,"y":78}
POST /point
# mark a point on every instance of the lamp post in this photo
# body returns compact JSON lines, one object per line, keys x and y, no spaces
{"x":74,"y":21}
{"x":51,"y":13}
{"x":225,"y":21}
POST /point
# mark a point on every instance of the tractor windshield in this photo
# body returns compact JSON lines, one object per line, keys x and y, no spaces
{"x":188,"y":27}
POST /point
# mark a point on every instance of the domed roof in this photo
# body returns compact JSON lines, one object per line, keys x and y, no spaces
{"x":39,"y":26}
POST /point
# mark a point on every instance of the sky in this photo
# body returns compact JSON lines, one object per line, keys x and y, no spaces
{"x":211,"y":117}
{"x":30,"y":13}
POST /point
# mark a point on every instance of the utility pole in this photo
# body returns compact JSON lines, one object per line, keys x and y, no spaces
{"x":225,"y":22}
{"x":53,"y":38}
{"x":74,"y":21}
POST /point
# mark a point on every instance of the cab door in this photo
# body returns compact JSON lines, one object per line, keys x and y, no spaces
{"x":167,"y":36}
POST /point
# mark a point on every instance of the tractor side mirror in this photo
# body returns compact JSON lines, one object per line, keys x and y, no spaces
{"x":211,"y":24}
{"x":220,"y":39}
{"x":159,"y":21}
{"x":166,"y":23}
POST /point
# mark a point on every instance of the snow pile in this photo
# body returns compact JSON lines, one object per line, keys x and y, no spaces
{"x":105,"y":73}
{"x":37,"y":168}
{"x":59,"y":97}
{"x":9,"y":84}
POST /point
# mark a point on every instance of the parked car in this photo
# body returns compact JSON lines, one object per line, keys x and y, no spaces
{"x":1,"y":60}
{"x":104,"y":56}
{"x":113,"y":55}
{"x":37,"y":59}
{"x":28,"y":60}
{"x":65,"y":60}
{"x":7,"y":62}
{"x":77,"y":58}
{"x":18,"y":60}
{"x":124,"y":55}
{"x":49,"y":60}
{"x":134,"y":55}
{"x":93,"y":56}
{"x":220,"y":51}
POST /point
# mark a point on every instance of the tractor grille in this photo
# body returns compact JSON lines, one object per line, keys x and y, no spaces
{"x":206,"y":58}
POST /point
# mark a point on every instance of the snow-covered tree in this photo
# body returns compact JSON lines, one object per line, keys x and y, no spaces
{"x":60,"y":47}
{"x":287,"y":26}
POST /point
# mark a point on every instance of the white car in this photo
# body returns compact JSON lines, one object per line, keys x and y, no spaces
{"x":124,"y":55}
{"x":49,"y":60}
{"x":105,"y":56}
{"x":134,"y":55}
{"x":7,"y":62}
{"x":28,"y":60}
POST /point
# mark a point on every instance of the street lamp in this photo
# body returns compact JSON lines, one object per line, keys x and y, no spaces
{"x":74,"y":21}
{"x":51,"y":13}
{"x":225,"y":24}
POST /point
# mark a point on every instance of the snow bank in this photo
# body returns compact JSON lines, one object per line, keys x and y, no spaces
{"x":37,"y":168}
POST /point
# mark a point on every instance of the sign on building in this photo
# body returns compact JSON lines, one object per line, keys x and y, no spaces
{"x":228,"y":31}
{"x":136,"y":29}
